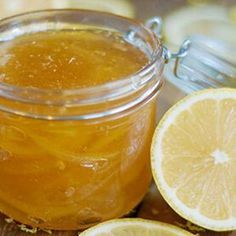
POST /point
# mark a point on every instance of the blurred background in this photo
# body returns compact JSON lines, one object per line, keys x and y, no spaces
{"x":140,"y":9}
{"x":182,"y":19}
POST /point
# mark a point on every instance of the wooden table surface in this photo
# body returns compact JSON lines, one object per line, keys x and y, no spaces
{"x":153,"y":206}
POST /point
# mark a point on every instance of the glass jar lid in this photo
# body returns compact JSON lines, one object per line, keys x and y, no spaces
{"x":201,"y":62}
{"x":206,"y":63}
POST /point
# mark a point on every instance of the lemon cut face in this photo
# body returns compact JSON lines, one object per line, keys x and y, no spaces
{"x":194,"y":158}
{"x":135,"y":227}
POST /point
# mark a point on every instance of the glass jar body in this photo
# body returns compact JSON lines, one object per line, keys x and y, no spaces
{"x":71,"y":174}
{"x":73,"y":158}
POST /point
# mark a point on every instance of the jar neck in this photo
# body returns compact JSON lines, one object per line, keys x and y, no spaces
{"x":114,"y":99}
{"x":108,"y":99}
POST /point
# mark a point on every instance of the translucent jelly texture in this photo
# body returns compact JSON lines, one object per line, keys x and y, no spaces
{"x":68,"y":60}
{"x":71,"y":174}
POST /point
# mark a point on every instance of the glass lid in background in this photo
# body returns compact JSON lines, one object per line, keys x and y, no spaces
{"x":211,"y":61}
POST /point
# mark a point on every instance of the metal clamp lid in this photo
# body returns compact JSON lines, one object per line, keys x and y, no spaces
{"x":200,"y":62}
{"x":156,"y":24}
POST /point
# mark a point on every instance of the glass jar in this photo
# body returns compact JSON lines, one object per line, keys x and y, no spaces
{"x":201,"y":63}
{"x":73,"y":158}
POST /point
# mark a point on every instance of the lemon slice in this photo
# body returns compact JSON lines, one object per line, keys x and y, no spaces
{"x":135,"y":227}
{"x":194,"y":158}
{"x":209,"y":20}
{"x":119,"y":7}
{"x":233,"y":14}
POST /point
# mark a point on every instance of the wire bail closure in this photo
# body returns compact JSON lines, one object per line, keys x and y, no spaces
{"x":201,"y":61}
{"x":155,"y":24}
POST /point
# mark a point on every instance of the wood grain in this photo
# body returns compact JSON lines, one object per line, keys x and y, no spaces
{"x":12,"y":229}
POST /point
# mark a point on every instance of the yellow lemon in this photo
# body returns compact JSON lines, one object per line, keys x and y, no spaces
{"x":194,"y":158}
{"x":135,"y":227}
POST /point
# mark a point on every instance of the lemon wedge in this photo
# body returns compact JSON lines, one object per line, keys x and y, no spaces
{"x":194,"y":158}
{"x":135,"y":227}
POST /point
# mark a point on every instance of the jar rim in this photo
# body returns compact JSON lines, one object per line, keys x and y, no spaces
{"x":62,"y":96}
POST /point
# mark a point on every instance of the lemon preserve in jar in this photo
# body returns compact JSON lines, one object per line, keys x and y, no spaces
{"x":77,"y":113}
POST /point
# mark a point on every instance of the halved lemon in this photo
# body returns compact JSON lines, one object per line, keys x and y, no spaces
{"x":208,"y":20}
{"x":194,"y":158}
{"x":135,"y":227}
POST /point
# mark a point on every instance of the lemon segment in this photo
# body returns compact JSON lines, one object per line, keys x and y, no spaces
{"x":135,"y":227}
{"x":194,"y":158}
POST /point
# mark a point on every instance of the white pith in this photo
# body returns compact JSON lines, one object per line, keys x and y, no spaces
{"x":220,"y":157}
